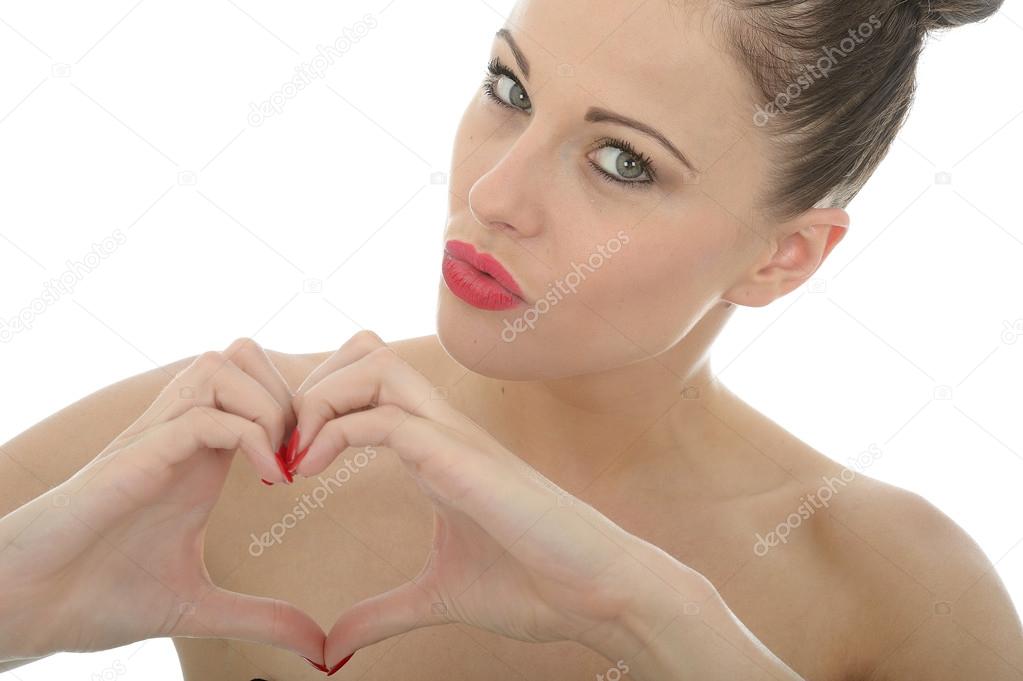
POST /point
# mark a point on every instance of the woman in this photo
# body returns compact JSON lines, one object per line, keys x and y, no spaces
{"x":560,"y":453}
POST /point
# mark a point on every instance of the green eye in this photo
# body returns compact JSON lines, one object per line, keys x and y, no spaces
{"x":614,"y":159}
{"x":502,"y":86}
{"x":617,"y":161}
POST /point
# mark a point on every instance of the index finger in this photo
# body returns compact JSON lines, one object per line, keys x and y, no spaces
{"x":251,"y":358}
{"x":356,"y":347}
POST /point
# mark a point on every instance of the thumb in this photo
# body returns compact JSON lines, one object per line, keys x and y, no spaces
{"x":400,"y":610}
{"x":227,"y":614}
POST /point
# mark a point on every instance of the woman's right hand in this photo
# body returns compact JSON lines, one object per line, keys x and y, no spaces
{"x":115,"y":554}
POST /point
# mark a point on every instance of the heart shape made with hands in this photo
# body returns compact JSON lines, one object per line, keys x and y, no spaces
{"x":511,"y":553}
{"x":349,"y":383}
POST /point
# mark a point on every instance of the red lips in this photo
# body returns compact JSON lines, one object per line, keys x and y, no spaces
{"x":485,"y":263}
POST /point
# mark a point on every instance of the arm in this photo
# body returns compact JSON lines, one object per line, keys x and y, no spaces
{"x":677,"y":626}
{"x":6,"y":666}
{"x":52,"y":450}
{"x":55,"y":448}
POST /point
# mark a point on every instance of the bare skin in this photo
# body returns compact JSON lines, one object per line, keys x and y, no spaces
{"x":833,"y":602}
{"x":878,"y":585}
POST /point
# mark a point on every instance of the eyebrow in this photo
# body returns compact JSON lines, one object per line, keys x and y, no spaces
{"x":596,"y":114}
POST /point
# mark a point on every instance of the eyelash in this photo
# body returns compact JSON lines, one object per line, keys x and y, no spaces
{"x":496,"y":69}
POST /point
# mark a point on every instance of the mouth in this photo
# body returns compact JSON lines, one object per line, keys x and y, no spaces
{"x":479,"y":278}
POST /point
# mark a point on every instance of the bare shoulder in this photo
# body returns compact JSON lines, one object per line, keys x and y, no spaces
{"x":52,"y":450}
{"x":939,"y":608}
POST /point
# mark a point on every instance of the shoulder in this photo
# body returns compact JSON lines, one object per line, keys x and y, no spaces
{"x":937,"y":607}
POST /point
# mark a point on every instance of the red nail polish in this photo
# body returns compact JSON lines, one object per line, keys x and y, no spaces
{"x":340,"y":664}
{"x":284,"y":469}
{"x":319,"y":666}
{"x":266,"y":482}
{"x":289,"y":454}
{"x":298,"y":459}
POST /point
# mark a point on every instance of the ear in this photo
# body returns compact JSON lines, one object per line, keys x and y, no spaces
{"x":799,"y":248}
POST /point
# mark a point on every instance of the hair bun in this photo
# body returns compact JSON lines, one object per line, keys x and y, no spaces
{"x":950,"y":13}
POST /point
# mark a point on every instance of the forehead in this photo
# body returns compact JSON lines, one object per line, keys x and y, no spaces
{"x":661,"y":61}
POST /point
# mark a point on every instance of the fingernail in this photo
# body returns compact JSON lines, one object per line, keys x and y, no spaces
{"x":298,"y":459}
{"x":266,"y":482}
{"x":284,"y":469}
{"x":340,"y":664}
{"x":319,"y":666}
{"x":289,"y":454}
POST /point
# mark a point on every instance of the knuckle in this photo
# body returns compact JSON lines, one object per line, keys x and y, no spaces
{"x":243,"y":345}
{"x":209,"y":361}
{"x":383,"y":356}
{"x":391,"y":412}
{"x":367,"y":340}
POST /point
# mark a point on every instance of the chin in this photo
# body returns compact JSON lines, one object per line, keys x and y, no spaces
{"x":477,"y":339}
{"x":485,"y":343}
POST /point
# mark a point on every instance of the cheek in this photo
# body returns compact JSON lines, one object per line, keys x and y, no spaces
{"x":652,"y":291}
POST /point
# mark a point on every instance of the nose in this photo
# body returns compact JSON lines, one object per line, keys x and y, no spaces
{"x":511,"y":196}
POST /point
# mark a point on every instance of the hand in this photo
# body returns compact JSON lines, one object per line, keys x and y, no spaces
{"x":115,"y":554}
{"x":512,"y":552}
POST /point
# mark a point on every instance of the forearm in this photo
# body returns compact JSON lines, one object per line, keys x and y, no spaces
{"x":7,"y":665}
{"x":677,"y":626}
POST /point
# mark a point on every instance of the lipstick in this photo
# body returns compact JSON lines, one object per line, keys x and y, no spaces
{"x":479,"y":278}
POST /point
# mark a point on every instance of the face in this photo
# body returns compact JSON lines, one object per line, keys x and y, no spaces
{"x":620,"y":237}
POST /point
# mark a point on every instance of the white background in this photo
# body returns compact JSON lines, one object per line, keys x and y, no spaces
{"x":134,"y":116}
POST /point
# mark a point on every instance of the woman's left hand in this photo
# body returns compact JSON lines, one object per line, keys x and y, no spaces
{"x":512,"y":552}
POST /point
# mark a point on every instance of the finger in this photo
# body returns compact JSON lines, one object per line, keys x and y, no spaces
{"x":496,"y":492}
{"x":253,"y":359}
{"x":214,"y":381}
{"x":378,"y":378}
{"x":205,"y":427}
{"x":141,"y":471}
{"x":400,"y":610}
{"x":356,"y":347}
{"x":221,"y":613}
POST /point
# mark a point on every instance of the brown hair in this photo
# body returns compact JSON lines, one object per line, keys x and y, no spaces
{"x":837,"y":79}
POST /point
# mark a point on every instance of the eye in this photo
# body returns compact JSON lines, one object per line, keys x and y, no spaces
{"x":503,"y":87}
{"x":622,"y":168}
{"x":616,"y":159}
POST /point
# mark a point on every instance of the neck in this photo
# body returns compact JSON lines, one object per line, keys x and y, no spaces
{"x":572,"y":428}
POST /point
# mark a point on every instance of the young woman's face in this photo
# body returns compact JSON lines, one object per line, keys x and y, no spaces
{"x":618,"y":253}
